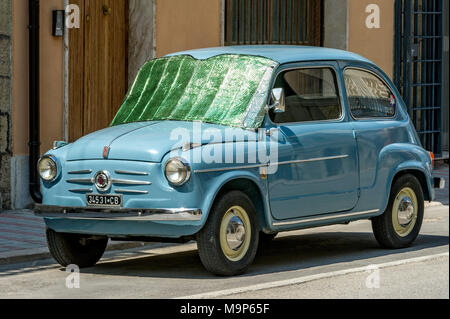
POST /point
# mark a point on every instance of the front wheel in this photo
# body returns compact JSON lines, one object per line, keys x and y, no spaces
{"x":266,"y":238}
{"x":74,"y":249}
{"x":228,"y":242}
{"x":400,"y":224}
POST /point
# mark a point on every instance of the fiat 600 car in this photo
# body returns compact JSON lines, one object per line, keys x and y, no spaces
{"x":230,"y":146}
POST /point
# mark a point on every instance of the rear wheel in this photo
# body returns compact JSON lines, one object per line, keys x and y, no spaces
{"x":75,"y":249}
{"x":228,"y":242}
{"x":400,"y":224}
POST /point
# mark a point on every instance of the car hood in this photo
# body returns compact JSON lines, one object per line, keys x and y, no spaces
{"x":150,"y":141}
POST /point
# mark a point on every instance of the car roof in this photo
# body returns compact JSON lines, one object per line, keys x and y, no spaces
{"x":279,"y":53}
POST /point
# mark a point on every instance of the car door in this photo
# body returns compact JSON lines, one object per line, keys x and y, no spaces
{"x":317,"y":167}
{"x":377,"y":124}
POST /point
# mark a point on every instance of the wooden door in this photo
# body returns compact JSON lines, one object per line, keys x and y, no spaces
{"x":97,"y":65}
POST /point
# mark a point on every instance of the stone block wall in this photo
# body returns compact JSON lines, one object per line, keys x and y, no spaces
{"x":5,"y":103}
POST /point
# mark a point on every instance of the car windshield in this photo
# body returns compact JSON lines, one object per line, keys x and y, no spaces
{"x":226,"y":89}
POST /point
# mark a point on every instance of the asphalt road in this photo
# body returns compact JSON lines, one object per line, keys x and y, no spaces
{"x":328,"y":262}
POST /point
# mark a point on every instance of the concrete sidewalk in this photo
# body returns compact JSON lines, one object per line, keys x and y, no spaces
{"x":22,"y":238}
{"x":442,"y":194}
{"x":22,"y":235}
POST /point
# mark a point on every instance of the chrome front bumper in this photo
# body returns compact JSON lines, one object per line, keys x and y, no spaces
{"x":181,"y":214}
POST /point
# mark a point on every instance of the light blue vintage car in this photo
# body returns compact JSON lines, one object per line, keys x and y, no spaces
{"x":229,"y":146}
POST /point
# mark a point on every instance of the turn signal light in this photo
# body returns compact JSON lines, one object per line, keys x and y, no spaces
{"x":432,"y":158}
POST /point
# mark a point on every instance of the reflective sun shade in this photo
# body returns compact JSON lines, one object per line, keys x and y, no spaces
{"x":226,"y":89}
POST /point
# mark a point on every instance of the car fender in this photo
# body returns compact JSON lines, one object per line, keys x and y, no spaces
{"x":214,"y":182}
{"x":397,"y":158}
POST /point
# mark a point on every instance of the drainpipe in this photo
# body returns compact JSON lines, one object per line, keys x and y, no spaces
{"x":34,"y":143}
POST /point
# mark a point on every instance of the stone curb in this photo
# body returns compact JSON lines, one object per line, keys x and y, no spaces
{"x":27,"y":255}
{"x":433,"y":204}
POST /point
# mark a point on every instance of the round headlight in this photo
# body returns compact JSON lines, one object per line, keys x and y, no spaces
{"x":48,"y":169}
{"x":177,"y":171}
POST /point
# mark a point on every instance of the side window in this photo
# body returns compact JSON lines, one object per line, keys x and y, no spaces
{"x":311,"y":95}
{"x":368,"y":96}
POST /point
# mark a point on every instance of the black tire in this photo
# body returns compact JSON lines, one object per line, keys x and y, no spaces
{"x":74,"y":249}
{"x":266,"y":238}
{"x":208,"y":239}
{"x":383,"y":226}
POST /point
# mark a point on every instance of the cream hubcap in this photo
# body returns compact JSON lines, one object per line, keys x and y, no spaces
{"x":404,"y":212}
{"x":235,"y":233}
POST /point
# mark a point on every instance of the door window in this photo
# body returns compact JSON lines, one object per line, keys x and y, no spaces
{"x":368,"y":96}
{"x":311,"y":95}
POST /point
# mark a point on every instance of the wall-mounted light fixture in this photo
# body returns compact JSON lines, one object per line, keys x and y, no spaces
{"x":58,"y":23}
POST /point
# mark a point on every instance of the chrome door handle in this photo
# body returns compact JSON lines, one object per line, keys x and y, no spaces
{"x":269,"y":132}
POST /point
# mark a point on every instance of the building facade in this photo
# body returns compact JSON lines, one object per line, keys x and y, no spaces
{"x":5,"y":102}
{"x":85,"y":73}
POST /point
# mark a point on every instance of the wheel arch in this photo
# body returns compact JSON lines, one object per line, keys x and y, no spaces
{"x":398,"y":159}
{"x":420,"y":175}
{"x":253,"y":191}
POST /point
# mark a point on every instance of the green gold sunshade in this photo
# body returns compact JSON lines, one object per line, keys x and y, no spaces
{"x":226,"y":89}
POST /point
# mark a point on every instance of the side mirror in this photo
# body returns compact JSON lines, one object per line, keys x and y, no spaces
{"x":279,"y":101}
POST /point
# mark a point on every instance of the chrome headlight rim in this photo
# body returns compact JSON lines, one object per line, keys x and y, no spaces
{"x":185,"y":165}
{"x":54,"y":175}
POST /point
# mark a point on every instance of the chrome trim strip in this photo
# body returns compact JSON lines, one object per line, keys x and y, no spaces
{"x":189,"y":146}
{"x":81,"y":181}
{"x":86,"y":171}
{"x":129,"y":182}
{"x":113,"y":181}
{"x":181,"y":214}
{"x":309,"y":220}
{"x":131,"y":173}
{"x":229,"y":168}
{"x":271,"y":164}
{"x":310,"y":160}
{"x":130,"y":191}
{"x":81,"y":190}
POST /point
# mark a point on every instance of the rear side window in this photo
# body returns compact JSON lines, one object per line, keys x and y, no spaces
{"x":368,"y":95}
{"x":311,"y":95}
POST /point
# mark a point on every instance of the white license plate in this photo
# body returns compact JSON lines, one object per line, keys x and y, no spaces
{"x":95,"y":200}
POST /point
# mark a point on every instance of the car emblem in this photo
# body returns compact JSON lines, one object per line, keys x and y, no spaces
{"x":102,"y":181}
{"x":106,"y":151}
